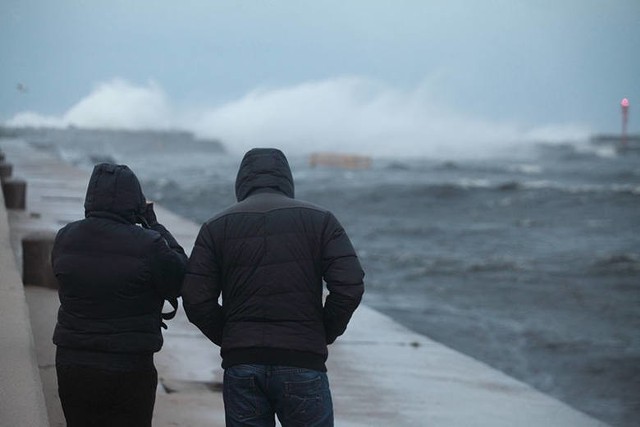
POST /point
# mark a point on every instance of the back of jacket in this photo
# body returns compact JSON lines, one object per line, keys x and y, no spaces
{"x":268,"y":255}
{"x":114,"y":275}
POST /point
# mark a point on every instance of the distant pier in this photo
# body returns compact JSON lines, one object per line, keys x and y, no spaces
{"x":621,"y":143}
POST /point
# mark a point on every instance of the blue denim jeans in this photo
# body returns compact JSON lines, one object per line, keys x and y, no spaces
{"x":253,"y":394}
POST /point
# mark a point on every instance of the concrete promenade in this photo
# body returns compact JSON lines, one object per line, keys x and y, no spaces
{"x":381,"y":373}
{"x":22,"y":400}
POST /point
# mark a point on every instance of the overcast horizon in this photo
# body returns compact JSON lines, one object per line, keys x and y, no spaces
{"x":406,"y":69}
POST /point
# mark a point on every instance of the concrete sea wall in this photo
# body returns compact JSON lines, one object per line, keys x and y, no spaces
{"x":22,"y":400}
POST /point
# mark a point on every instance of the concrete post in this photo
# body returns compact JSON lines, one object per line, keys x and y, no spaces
{"x":5,"y":170}
{"x":15,"y":193}
{"x":36,"y":259}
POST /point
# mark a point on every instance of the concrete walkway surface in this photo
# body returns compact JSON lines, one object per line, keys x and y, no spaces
{"x":381,"y":373}
{"x":22,"y":401}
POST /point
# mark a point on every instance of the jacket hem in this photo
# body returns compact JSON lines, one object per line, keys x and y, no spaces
{"x":274,"y":357}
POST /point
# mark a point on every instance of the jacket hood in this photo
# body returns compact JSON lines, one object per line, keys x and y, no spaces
{"x":114,"y":189}
{"x":264,"y":168}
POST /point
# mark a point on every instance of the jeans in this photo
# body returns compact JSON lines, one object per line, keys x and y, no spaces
{"x":253,"y":394}
{"x":97,"y":398}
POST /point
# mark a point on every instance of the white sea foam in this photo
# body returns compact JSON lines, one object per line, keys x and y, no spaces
{"x":348,"y":114}
{"x":527,"y":169}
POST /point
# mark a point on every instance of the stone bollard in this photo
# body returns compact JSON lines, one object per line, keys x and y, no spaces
{"x":15,"y":193}
{"x":5,"y":170}
{"x":36,"y":259}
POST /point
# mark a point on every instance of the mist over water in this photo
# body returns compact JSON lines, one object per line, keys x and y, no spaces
{"x":349,"y":114}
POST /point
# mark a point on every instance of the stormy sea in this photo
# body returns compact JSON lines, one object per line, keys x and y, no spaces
{"x":528,"y":261}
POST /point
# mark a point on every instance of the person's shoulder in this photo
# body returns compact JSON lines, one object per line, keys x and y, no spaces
{"x":147,"y":240}
{"x":311,"y":206}
{"x":146,"y":233}
{"x":73,"y":227}
{"x":272,"y":203}
{"x":68,"y":229}
{"x":221,"y":214}
{"x":73,"y":224}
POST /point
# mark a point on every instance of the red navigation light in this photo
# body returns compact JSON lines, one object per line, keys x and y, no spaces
{"x":625,"y":116}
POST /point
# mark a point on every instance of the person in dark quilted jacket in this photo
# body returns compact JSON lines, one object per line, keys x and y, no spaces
{"x":267,"y":257}
{"x":115,"y":268}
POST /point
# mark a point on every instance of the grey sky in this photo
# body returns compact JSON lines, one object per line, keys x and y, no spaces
{"x":531,"y":62}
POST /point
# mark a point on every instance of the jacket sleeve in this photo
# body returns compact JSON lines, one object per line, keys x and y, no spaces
{"x":344,"y":277}
{"x":169,"y":263}
{"x":202,"y":287}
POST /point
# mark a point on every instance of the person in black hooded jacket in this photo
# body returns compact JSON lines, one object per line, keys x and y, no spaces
{"x":113,"y":277}
{"x":267,"y":256}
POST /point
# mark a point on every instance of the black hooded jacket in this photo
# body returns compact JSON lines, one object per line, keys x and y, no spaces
{"x":268,"y":255}
{"x":113,"y":275}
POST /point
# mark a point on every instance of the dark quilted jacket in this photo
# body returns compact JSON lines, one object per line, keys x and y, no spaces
{"x":114,"y":275}
{"x":267,"y":256}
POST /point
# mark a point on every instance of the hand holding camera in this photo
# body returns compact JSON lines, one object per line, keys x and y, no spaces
{"x":149,"y":215}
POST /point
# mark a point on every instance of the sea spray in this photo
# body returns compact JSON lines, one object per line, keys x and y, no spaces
{"x":346,"y":114}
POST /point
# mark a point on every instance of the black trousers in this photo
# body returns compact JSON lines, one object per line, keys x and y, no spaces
{"x":98,"y":398}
